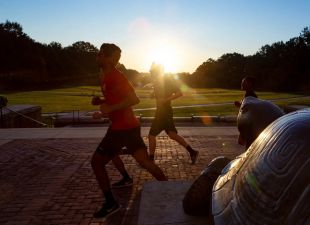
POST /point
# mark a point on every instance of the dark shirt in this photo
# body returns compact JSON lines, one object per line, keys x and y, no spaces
{"x":163,"y":89}
{"x":250,"y":93}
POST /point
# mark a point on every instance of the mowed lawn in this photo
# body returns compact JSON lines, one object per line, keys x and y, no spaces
{"x":78,"y":98}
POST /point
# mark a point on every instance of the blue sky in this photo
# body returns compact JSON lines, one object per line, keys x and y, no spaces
{"x":181,"y":34}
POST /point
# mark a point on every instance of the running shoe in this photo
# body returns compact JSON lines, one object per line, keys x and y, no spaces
{"x":123,"y":183}
{"x":107,"y":210}
{"x":194,"y":156}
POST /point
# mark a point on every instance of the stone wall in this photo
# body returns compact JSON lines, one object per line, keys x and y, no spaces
{"x":15,"y":116}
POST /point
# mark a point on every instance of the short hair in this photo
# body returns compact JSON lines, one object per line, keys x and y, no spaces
{"x":156,"y":69}
{"x":108,"y":49}
{"x":251,"y":79}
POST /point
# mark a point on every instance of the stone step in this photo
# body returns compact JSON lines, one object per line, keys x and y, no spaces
{"x":161,"y":204}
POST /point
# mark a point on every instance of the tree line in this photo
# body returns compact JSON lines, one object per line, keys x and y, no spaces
{"x":27,"y":64}
{"x":276,"y":67}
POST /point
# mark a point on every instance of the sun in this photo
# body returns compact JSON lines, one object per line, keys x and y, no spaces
{"x":166,"y":55}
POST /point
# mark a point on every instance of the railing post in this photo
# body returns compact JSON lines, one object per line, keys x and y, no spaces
{"x":1,"y":115}
{"x":192,"y":118}
{"x":3,"y":103}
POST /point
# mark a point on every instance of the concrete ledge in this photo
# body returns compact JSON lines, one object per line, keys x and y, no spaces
{"x":21,"y":116}
{"x":75,"y":118}
{"x":161,"y":204}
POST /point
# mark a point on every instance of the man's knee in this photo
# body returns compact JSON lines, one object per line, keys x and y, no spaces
{"x":146,"y":163}
{"x":98,"y":160}
{"x":172,"y":135}
{"x":141,"y":157}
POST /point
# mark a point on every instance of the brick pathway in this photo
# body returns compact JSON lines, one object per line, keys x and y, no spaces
{"x":50,"y":181}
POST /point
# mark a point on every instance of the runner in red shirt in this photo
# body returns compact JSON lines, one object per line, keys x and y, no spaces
{"x":117,"y":118}
{"x":124,"y":130}
{"x":115,"y":88}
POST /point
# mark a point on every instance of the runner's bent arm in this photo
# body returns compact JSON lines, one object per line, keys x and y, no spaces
{"x":173,"y":96}
{"x":130,"y":100}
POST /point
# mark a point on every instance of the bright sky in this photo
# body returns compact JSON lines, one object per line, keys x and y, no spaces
{"x":180,"y":34}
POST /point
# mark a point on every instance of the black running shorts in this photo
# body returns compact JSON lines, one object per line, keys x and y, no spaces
{"x":163,"y":121}
{"x":115,"y":140}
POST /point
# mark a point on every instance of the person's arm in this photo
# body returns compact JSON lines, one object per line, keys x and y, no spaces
{"x":130,"y":100}
{"x":175,"y":91}
{"x":237,"y":104}
{"x":174,"y":95}
{"x":169,"y":98}
{"x":96,"y":100}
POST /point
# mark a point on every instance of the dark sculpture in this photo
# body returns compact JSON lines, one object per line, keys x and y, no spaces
{"x":197,"y":200}
{"x":269,"y":183}
{"x":266,"y":185}
{"x":254,"y":116}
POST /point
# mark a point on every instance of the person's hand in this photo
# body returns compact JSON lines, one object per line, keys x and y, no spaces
{"x":237,"y":104}
{"x":97,"y":115}
{"x":96,"y":100}
{"x":105,"y":108}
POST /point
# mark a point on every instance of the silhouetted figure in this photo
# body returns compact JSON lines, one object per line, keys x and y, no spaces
{"x":126,"y":181}
{"x":247,"y":85}
{"x":165,"y":91}
{"x":119,"y":97}
{"x":253,"y":117}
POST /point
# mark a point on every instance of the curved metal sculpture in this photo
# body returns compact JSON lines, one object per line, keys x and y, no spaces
{"x":269,"y":183}
{"x":254,"y":116}
{"x":197,"y":200}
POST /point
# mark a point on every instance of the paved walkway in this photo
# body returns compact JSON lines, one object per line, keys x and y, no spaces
{"x":46,"y":177}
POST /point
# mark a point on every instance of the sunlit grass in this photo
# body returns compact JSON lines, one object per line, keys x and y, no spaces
{"x":78,"y":98}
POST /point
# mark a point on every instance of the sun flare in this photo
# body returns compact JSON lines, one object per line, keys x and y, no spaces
{"x":166,"y":55}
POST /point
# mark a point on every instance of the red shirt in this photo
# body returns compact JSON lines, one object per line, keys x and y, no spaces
{"x":115,"y":87}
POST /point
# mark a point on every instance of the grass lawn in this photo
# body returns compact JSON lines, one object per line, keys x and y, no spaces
{"x":78,"y":98}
